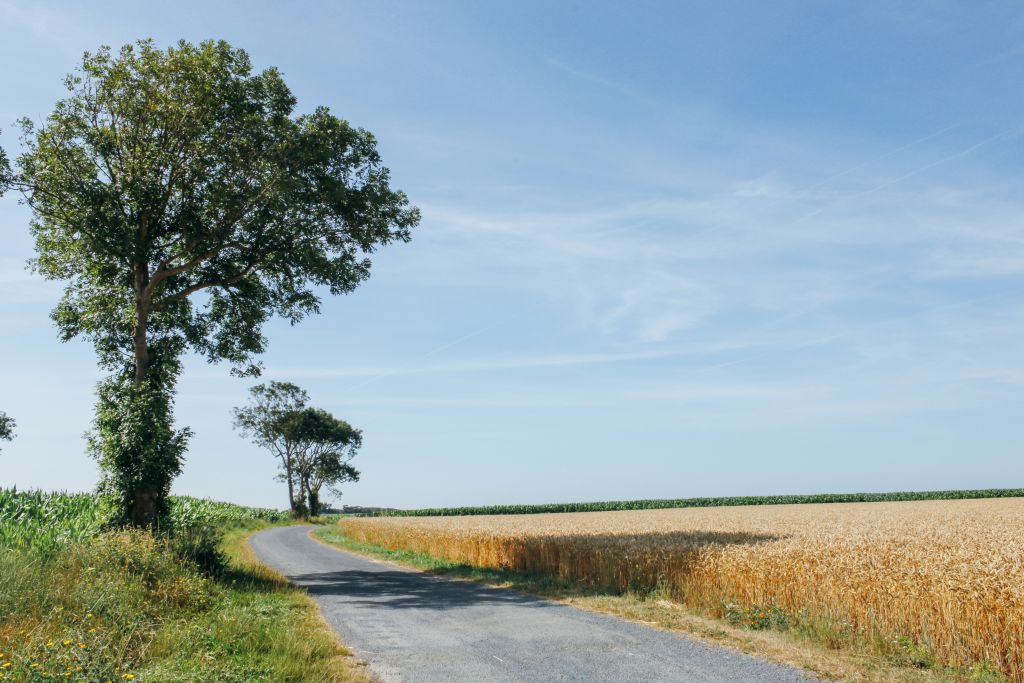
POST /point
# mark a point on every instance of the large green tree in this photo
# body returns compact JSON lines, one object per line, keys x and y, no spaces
{"x":184,"y":203}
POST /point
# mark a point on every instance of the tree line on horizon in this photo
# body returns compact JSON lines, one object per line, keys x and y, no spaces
{"x":184,"y":203}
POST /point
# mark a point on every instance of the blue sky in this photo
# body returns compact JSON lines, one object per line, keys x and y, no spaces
{"x":730,"y":248}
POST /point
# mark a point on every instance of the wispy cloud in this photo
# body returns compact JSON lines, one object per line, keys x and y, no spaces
{"x":491,"y":364}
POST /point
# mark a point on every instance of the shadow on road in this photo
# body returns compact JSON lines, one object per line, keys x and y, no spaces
{"x":402,"y":590}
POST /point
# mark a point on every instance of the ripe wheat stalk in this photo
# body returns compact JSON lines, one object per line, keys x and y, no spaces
{"x":948,"y":575}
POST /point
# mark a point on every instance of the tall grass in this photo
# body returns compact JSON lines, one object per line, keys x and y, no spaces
{"x":84,"y":602}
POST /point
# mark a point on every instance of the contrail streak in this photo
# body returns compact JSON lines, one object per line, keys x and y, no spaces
{"x":878,"y":158}
{"x":890,"y":183}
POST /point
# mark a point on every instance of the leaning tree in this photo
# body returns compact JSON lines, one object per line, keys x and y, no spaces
{"x":313,"y":448}
{"x":184,"y":203}
{"x":268,"y":420}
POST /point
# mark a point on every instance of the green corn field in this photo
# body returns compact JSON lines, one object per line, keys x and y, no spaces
{"x":41,"y":521}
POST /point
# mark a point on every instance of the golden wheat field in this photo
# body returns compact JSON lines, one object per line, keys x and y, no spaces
{"x":949,"y":575}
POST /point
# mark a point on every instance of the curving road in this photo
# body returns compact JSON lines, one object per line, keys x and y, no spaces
{"x":418,"y":628}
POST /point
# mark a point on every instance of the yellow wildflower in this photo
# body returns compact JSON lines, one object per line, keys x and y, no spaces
{"x":67,"y":641}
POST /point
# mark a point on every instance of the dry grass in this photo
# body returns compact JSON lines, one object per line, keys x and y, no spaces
{"x":946,"y":576}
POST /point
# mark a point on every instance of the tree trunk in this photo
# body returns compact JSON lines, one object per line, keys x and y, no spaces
{"x":291,"y":484}
{"x":143,"y":510}
{"x":304,"y":493}
{"x":144,"y":499}
{"x":140,"y":342}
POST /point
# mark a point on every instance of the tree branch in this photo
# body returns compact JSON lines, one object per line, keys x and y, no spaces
{"x":162,"y":272}
{"x":204,"y":285}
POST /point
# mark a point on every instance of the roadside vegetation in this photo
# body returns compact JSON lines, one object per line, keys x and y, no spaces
{"x":925,"y":587}
{"x":83,"y":601}
{"x":668,"y":503}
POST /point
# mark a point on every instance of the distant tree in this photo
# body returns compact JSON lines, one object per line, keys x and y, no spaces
{"x":324,"y":451}
{"x":7,"y":425}
{"x":184,"y":203}
{"x":267,"y":422}
{"x":5,"y":172}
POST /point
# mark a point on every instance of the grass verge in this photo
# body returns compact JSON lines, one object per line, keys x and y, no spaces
{"x":127,"y":606}
{"x":817,"y":648}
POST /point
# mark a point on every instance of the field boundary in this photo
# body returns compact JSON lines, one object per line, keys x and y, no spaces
{"x":668,"y":503}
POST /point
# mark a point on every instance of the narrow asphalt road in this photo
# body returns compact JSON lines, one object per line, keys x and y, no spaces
{"x":414,"y":627}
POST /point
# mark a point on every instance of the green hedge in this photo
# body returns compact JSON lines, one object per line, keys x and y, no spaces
{"x":702,"y":503}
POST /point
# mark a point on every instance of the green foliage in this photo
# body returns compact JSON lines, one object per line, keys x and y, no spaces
{"x":184,"y":203}
{"x":314,"y":448}
{"x":324,"y":449}
{"x":264,"y":422}
{"x":757,"y":617}
{"x":167,"y":172}
{"x":134,"y":440}
{"x":187,"y":511}
{"x":7,"y":425}
{"x":5,"y":172}
{"x":46,"y":522}
{"x":701,"y":502}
